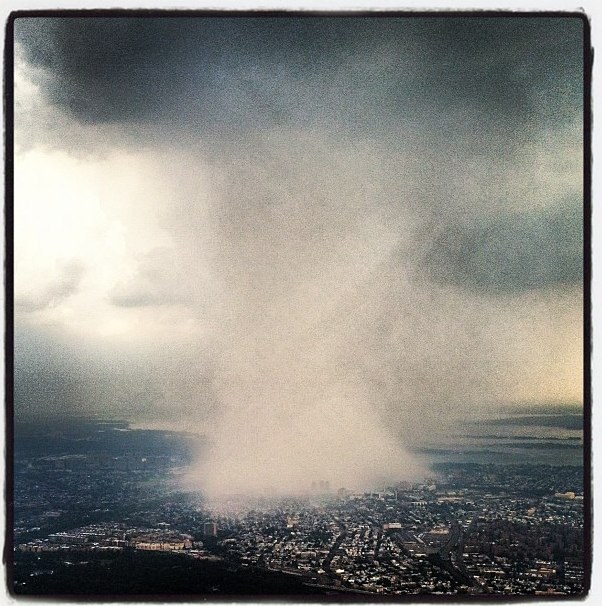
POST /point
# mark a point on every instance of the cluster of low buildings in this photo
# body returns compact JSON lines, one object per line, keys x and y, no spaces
{"x":488,"y":538}
{"x":112,"y":537}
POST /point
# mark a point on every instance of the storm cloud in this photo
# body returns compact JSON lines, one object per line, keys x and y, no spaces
{"x":514,"y":252}
{"x":236,"y":73}
{"x":314,"y":240}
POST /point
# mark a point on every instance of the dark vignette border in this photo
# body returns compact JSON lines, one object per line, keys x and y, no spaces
{"x":588,"y":60}
{"x":9,"y":413}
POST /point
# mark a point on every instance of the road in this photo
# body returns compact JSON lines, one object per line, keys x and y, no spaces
{"x":333,"y":550}
{"x":443,"y":558}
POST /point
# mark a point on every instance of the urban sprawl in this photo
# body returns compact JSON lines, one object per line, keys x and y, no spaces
{"x":470,"y":529}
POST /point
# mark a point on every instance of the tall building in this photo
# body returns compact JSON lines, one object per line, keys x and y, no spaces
{"x":210,"y":529}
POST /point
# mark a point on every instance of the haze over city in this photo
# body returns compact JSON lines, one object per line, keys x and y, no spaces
{"x":316,"y":242}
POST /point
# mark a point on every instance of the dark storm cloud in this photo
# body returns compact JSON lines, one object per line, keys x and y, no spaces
{"x":238,"y":72}
{"x":107,"y":70}
{"x":513,"y":252}
{"x":518,"y":69}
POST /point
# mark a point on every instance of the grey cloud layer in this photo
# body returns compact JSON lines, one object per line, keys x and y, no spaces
{"x":513,"y":252}
{"x":233,"y":73}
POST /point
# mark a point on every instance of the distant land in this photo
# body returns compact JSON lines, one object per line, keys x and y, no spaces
{"x":550,"y":434}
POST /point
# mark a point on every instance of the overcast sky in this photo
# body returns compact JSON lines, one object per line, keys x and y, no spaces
{"x":341,"y":233}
